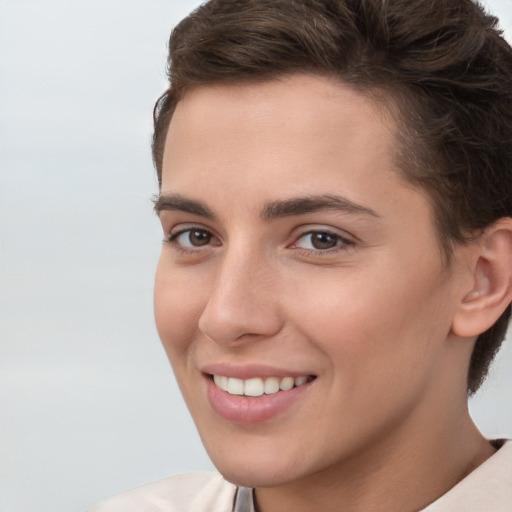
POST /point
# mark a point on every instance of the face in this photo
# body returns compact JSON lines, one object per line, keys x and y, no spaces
{"x":301,"y":295}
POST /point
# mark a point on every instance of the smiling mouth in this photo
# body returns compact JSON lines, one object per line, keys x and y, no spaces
{"x":259,"y":386}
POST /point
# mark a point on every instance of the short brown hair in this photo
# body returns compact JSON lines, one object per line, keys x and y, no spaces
{"x":443,"y":64}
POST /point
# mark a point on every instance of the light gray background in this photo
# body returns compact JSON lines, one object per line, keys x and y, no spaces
{"x":88,"y":405}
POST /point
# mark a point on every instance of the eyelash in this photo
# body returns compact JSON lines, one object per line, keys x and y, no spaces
{"x":173,"y":239}
{"x":342,"y":243}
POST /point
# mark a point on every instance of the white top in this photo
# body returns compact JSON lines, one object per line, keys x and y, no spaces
{"x":487,"y":489}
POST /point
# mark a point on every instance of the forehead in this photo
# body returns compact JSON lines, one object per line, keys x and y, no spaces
{"x":282,"y":128}
{"x":285,"y":95}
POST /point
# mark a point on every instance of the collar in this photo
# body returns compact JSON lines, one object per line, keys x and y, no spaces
{"x":244,"y":500}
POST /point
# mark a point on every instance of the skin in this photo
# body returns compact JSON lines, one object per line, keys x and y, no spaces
{"x":384,"y":426}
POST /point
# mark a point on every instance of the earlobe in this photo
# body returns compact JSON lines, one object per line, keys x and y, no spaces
{"x":491,"y":290}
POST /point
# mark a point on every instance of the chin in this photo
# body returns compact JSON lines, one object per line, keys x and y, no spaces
{"x":259,"y":466}
{"x":250,"y":475}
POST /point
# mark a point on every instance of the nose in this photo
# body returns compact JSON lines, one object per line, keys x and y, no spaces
{"x":243,"y":302}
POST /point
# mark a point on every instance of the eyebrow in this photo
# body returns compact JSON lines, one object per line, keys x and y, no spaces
{"x":272,"y":210}
{"x":309,"y":204}
{"x":177,"y":202}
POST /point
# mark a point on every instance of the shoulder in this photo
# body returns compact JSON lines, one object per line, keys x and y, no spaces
{"x":194,"y":492}
{"x":488,"y":487}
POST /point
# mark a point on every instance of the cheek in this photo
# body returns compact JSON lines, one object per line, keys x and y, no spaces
{"x":373,"y":324}
{"x":178,"y":305}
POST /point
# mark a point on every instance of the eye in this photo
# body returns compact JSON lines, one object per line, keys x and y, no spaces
{"x":321,"y":241}
{"x":192,"y":238}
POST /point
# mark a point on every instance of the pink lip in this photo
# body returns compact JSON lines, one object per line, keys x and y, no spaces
{"x":252,"y":410}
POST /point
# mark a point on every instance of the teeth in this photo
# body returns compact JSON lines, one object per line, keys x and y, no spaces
{"x":254,"y":387}
{"x":287,"y":383}
{"x":235,"y":386}
{"x":271,"y":385}
{"x":300,"y":380}
{"x":221,"y":382}
{"x":257,"y":386}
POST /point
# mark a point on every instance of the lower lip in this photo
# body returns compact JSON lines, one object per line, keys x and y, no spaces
{"x":250,"y":410}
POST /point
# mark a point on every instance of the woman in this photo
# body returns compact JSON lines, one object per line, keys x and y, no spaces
{"x":336,"y":201}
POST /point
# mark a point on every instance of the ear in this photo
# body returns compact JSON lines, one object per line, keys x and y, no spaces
{"x":491,"y":282}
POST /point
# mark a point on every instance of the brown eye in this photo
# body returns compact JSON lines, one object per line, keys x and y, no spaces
{"x":199,"y":237}
{"x":319,"y":241}
{"x":192,"y":238}
{"x":323,"y":241}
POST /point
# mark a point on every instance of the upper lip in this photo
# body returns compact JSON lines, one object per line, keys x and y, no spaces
{"x":250,"y":371}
